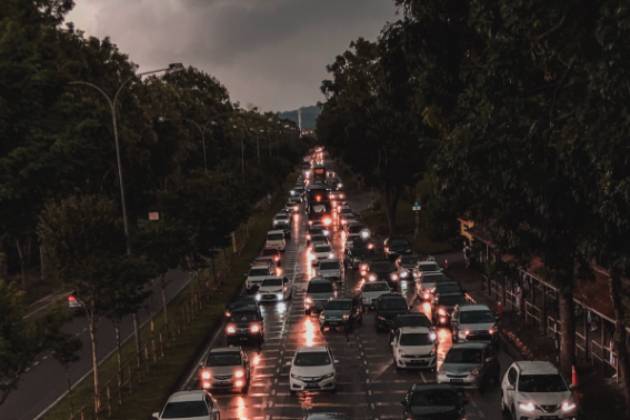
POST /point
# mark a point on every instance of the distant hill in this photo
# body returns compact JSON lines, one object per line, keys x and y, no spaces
{"x":309,"y":116}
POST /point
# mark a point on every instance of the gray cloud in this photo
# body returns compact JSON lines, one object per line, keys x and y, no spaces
{"x":271,"y":53}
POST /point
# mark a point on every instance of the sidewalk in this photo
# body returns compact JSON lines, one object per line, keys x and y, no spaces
{"x":598,"y":393}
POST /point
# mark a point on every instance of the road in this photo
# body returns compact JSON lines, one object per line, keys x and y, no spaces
{"x":369,"y":387}
{"x":46,"y":379}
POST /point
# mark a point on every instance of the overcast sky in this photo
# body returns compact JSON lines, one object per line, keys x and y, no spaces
{"x":270,"y":53}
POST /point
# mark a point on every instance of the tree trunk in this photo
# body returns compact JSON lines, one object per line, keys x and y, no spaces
{"x":136,"y":333}
{"x":95,"y":383}
{"x":391,"y":198}
{"x":20,"y":252}
{"x":616,"y":293}
{"x":567,"y":331}
{"x":42,"y":264}
{"x":163,"y":296}
{"x":118,"y":353}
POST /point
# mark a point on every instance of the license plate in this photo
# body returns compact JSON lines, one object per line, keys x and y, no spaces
{"x":311,"y":386}
{"x":457,"y":381}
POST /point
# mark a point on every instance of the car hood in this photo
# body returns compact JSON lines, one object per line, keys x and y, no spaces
{"x":335,"y":314}
{"x":435,"y":412}
{"x":330,"y":271}
{"x":270,"y":289}
{"x":544,"y":398}
{"x":459,"y":368}
{"x":416,"y":349}
{"x":477,"y":327}
{"x":312,"y":370}
{"x":374,"y":294}
{"x":222,"y":370}
{"x":320,"y":296}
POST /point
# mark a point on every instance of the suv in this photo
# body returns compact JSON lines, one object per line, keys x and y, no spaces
{"x":330,"y":269}
{"x":318,"y":292}
{"x":245,"y":324}
{"x":276,"y":240}
{"x":225,"y":368}
{"x":320,"y":252}
{"x":470,"y":365}
{"x":274,"y":289}
{"x":439,"y":401}
{"x":535,"y":389}
{"x":473,"y":322}
{"x":190,"y":405}
{"x":312,"y":368}
{"x":414,"y":348}
{"x":383,"y":270}
{"x":387,"y":308}
{"x":341,"y":312}
{"x":257,"y":273}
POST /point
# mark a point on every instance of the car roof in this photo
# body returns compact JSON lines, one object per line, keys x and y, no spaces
{"x":536,"y":367}
{"x":473,"y":307}
{"x":319,"y":280}
{"x":391,"y":296}
{"x":276,"y":231}
{"x":471,"y":345}
{"x":250,"y":307}
{"x":314,"y":349}
{"x":329,"y":260}
{"x":196,"y":395}
{"x":413,"y":330}
{"x":230,"y":349}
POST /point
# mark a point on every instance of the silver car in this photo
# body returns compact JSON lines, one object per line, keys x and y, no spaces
{"x":329,"y":269}
{"x":318,"y":292}
{"x":225,"y":368}
{"x":470,"y":365}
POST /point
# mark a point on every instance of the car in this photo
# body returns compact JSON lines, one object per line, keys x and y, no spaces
{"x":395,"y":246}
{"x":383,"y":270}
{"x":414,"y":348}
{"x":536,"y":390}
{"x":320,"y":252}
{"x":316,"y":231}
{"x":434,"y":401}
{"x":256,"y":275}
{"x":443,"y":306}
{"x":341,"y":312}
{"x":330,"y":268}
{"x":387,"y":308}
{"x":328,"y":415}
{"x":359,"y":251}
{"x":470,"y":365}
{"x":245,"y":325}
{"x":274,"y":289}
{"x":426,"y":285}
{"x":411,"y":319}
{"x":473,"y":322}
{"x":244,"y":300}
{"x":225,"y":368}
{"x":356,"y":230}
{"x":405,"y":265}
{"x":281,"y":219}
{"x":274,"y":267}
{"x":426,"y":266}
{"x":190,"y":405}
{"x":317,"y":224}
{"x":370,"y":291}
{"x":319,"y":239}
{"x":272,"y":254}
{"x":312,"y":368}
{"x":318,"y":292}
{"x":276,"y":240}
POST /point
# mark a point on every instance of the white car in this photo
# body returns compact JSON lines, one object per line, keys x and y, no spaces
{"x":313,"y":368}
{"x":274,"y":289}
{"x":427,"y":266}
{"x":282,"y":219}
{"x":536,"y":390}
{"x":320,"y":252}
{"x":473,"y":322}
{"x":257,"y":273}
{"x":414,"y":348}
{"x":276,"y":240}
{"x":329,"y":268}
{"x":426,"y":284}
{"x":190,"y":405}
{"x":370,"y":291}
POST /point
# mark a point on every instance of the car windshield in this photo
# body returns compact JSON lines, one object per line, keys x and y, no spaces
{"x":375,"y":287}
{"x":415,"y":339}
{"x":412,"y":321}
{"x":434,"y":397}
{"x":223,"y":359}
{"x":244,"y":316}
{"x":322,"y":248}
{"x":185,"y":409}
{"x":476,"y":317}
{"x":318,"y":208}
{"x":452,"y":300}
{"x":320,"y":288}
{"x":255,"y":272}
{"x":392,"y":304}
{"x":312,"y":358}
{"x":339,"y":305}
{"x":329,"y":265}
{"x":429,"y":267}
{"x":272,"y":282}
{"x":456,"y":355}
{"x":275,"y":237}
{"x":541,"y":383}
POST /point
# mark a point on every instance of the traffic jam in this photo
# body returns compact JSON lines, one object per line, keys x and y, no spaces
{"x":336,"y":323}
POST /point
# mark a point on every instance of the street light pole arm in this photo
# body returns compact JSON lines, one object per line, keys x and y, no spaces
{"x":98,"y":89}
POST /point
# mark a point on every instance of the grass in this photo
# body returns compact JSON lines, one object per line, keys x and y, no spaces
{"x":405,"y":224}
{"x":164,"y":375}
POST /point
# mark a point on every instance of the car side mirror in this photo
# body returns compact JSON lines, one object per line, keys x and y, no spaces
{"x":155,"y":415}
{"x":509,"y":387}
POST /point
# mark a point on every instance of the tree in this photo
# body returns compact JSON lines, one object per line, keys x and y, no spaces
{"x":86,"y":247}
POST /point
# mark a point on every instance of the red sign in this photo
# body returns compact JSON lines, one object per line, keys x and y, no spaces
{"x":154,"y":216}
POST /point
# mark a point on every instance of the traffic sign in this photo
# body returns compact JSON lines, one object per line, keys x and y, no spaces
{"x":417,"y":206}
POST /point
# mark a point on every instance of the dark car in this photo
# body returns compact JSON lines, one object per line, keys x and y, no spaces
{"x":272,"y":254}
{"x":387,"y":308}
{"x":443,"y":306}
{"x":384,"y":270}
{"x":411,"y":319}
{"x":241,"y":301}
{"x":359,"y":250}
{"x":341,"y":312}
{"x":396,"y":246}
{"x":470,"y":365}
{"x":245,"y":325}
{"x":434,"y":402}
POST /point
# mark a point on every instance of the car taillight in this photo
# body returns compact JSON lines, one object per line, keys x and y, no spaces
{"x":308,"y":300}
{"x":230,"y":329}
{"x":239,"y":373}
{"x":327,"y":220}
{"x":205,"y":374}
{"x":254,"y":328}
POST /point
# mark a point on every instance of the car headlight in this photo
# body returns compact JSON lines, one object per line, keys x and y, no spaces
{"x":528,"y":407}
{"x":493,"y":330}
{"x":279,"y":296}
{"x":205,"y":375}
{"x":568,"y":406}
{"x":372,"y":277}
{"x":328,"y":375}
{"x":308,"y":300}
{"x":463,"y":333}
{"x":404,"y":274}
{"x":442,"y":312}
{"x":432,"y":336}
{"x":345,"y":317}
{"x":258,"y":296}
{"x":474,"y":372}
{"x":239,"y":373}
{"x":393,"y":276}
{"x":331,"y":256}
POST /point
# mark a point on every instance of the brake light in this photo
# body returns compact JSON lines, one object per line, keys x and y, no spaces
{"x":230,"y":329}
{"x":254,"y":328}
{"x":205,"y":374}
{"x":239,"y":373}
{"x":327,"y":220}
